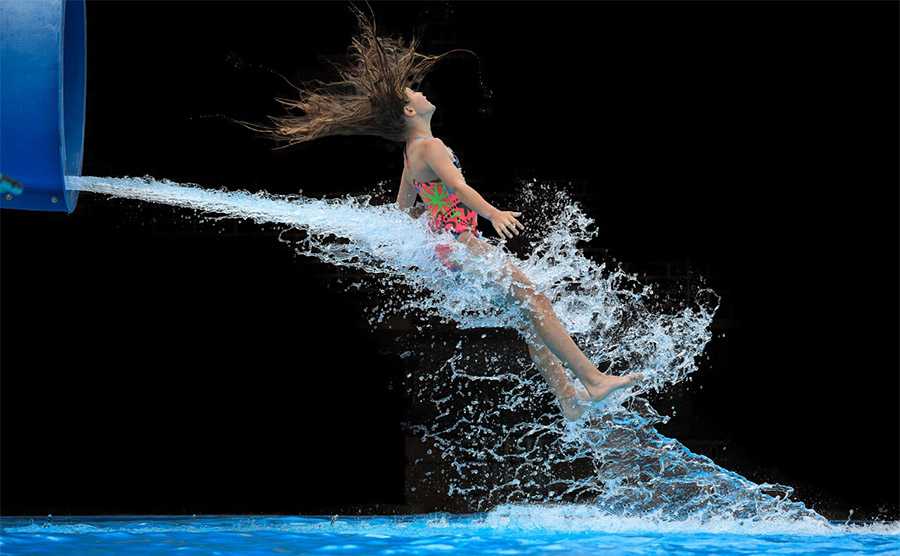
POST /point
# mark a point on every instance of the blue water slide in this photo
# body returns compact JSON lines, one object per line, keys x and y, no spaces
{"x":42,"y":98}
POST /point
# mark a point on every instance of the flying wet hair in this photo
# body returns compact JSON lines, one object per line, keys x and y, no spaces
{"x":367,"y":100}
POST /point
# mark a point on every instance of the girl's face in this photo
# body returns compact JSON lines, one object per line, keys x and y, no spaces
{"x":418,"y":102}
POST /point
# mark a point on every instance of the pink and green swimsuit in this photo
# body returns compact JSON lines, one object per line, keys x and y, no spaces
{"x":446,"y":210}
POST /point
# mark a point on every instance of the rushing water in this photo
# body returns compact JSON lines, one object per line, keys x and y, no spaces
{"x":506,"y":447}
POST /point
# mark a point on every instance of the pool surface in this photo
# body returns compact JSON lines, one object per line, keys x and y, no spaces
{"x":491,"y":533}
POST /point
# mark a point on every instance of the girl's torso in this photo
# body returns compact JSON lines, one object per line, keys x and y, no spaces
{"x":446,"y":210}
{"x":417,"y":169}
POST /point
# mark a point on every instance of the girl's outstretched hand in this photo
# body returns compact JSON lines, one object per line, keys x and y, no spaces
{"x":506,"y":224}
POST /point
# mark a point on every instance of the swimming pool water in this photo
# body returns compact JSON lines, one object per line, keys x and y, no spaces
{"x":431,"y":534}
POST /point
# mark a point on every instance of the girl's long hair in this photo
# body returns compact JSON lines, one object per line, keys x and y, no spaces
{"x":367,"y":100}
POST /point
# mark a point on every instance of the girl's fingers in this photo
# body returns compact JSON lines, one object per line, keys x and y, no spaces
{"x":512,"y":226}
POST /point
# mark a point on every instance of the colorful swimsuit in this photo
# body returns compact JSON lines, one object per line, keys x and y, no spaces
{"x":446,"y":210}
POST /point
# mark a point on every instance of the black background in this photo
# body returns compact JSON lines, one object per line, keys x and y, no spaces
{"x":152,"y":363}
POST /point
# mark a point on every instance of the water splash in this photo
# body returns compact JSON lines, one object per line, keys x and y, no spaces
{"x":495,"y":426}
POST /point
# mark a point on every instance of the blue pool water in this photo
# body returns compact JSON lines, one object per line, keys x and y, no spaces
{"x":537,"y":531}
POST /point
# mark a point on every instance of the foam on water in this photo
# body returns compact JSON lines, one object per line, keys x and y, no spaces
{"x":495,"y":425}
{"x":508,"y":519}
{"x":537,"y":531}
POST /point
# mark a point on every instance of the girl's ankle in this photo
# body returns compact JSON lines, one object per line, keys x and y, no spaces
{"x":568,"y":392}
{"x":595,"y":379}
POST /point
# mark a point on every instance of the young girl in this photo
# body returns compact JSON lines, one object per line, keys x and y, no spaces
{"x":376,"y":97}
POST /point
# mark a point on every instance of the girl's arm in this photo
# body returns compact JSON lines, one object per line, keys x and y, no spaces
{"x":438,"y":159}
{"x":406,"y":196}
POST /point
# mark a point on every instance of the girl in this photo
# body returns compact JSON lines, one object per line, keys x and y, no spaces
{"x":375,"y":96}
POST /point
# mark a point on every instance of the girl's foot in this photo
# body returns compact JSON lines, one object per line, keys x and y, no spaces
{"x":606,"y":384}
{"x":574,"y":405}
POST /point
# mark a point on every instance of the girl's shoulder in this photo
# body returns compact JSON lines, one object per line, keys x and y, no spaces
{"x":435,"y":146}
{"x":418,"y":149}
{"x":418,"y":167}
{"x":430,"y":142}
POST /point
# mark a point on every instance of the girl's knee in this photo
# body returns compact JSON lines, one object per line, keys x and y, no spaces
{"x":517,"y":275}
{"x":521,"y":284}
{"x":535,"y":304}
{"x":523,"y":295}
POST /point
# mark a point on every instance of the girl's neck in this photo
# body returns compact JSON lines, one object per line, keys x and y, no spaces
{"x":418,"y":132}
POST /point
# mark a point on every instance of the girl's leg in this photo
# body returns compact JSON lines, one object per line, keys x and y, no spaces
{"x":552,"y":333}
{"x":554,"y":373}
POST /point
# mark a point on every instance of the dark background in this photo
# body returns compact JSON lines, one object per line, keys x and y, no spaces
{"x":152,"y":363}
